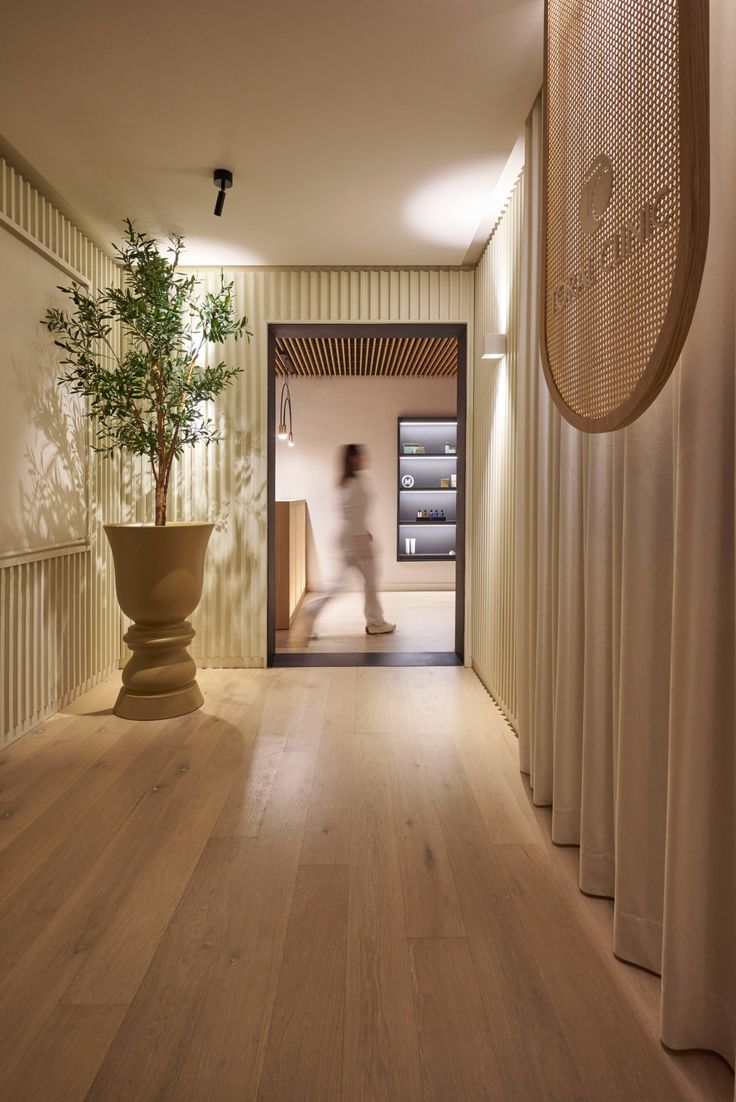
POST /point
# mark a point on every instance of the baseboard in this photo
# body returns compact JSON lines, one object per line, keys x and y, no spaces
{"x":209,"y":663}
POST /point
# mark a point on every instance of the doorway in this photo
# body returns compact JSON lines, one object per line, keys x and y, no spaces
{"x":381,"y":360}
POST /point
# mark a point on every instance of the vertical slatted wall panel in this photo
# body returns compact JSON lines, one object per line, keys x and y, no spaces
{"x":226,"y":482}
{"x":59,"y":621}
{"x":492,"y":462}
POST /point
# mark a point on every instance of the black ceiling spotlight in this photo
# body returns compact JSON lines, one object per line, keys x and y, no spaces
{"x":223,"y":180}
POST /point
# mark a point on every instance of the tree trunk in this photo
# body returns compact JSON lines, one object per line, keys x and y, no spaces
{"x":160,"y":503}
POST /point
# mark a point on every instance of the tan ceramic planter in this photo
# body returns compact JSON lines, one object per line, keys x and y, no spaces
{"x":158,"y":577}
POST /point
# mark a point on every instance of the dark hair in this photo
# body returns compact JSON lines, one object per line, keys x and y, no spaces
{"x":350,"y":453}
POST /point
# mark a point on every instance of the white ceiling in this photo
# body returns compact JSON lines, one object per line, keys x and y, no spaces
{"x":360,"y":131}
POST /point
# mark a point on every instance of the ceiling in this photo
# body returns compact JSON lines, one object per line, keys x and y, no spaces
{"x":318,"y":357}
{"x":359,"y":133}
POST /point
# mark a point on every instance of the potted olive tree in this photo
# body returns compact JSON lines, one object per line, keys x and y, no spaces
{"x":135,"y":354}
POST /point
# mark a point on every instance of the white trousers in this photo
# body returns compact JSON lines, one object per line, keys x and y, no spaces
{"x":358,"y":553}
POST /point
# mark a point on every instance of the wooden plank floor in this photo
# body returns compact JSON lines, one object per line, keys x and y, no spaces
{"x":425,"y":621}
{"x":326,"y":884}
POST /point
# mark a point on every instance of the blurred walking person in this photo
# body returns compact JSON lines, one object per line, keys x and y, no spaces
{"x":356,"y":545}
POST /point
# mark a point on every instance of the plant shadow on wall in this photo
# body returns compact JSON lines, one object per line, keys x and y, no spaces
{"x":50,"y":505}
{"x":137,"y":354}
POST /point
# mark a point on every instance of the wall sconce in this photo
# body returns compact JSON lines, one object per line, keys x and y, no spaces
{"x":494,"y":346}
{"x":286,"y":426}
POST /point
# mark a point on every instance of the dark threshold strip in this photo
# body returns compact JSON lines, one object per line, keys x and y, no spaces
{"x":365,"y":658}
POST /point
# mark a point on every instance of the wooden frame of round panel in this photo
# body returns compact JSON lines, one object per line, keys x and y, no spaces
{"x":625,"y":200}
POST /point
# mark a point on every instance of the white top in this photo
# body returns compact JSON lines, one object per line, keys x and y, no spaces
{"x":354,"y":507}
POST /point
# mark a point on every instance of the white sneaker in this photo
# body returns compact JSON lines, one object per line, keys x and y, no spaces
{"x":380,"y":629}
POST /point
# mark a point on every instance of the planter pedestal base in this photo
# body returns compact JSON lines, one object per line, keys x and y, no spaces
{"x":159,"y":680}
{"x":158,"y":578}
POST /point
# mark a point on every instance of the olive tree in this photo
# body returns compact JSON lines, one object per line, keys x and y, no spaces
{"x":134,"y":353}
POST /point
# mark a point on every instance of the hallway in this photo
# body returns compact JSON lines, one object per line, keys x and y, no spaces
{"x":327,"y":884}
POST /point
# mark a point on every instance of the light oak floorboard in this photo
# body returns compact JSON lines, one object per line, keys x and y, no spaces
{"x":197,"y":950}
{"x":456,"y":1044}
{"x":329,"y":819}
{"x":64,"y":844}
{"x":327,"y":883}
{"x":431,"y":905}
{"x":304,"y":1050}
{"x":101,"y":781}
{"x":534,"y":1058}
{"x":115,"y":965}
{"x":37,"y":982}
{"x":28,"y":758}
{"x":381,"y":1057}
{"x":75,"y":755}
{"x":266,"y":728}
{"x":63,"y":1059}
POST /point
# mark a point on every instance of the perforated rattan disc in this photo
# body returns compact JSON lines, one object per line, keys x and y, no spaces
{"x":625,"y":199}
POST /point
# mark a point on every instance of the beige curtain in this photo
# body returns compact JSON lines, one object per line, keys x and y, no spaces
{"x":625,"y":614}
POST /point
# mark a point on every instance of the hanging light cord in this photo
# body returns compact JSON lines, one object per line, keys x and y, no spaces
{"x":286,"y":432}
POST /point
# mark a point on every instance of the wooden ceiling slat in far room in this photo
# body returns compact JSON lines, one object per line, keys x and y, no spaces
{"x":319,"y":357}
{"x":444,"y":359}
{"x":403,"y":357}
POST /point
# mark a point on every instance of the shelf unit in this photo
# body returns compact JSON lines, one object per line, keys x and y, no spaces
{"x":419,"y":489}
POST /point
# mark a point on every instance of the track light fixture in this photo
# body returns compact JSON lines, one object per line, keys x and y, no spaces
{"x":223,"y":179}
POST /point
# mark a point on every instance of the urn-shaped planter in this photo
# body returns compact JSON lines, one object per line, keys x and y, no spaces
{"x":158,"y":578}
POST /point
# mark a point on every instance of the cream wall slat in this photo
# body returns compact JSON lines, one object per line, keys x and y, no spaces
{"x":492,"y":461}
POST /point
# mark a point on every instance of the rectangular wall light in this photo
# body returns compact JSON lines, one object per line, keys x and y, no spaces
{"x":494,"y":346}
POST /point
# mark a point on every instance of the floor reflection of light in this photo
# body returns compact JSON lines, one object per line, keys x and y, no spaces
{"x":448,"y":208}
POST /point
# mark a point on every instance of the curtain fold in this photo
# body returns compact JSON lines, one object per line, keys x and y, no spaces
{"x":626,"y":614}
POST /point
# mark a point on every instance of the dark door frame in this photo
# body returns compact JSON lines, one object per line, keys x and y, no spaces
{"x":377,"y":329}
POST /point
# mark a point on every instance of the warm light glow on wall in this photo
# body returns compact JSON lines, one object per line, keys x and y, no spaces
{"x":448,"y":208}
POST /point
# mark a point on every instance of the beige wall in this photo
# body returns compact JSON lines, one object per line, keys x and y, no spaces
{"x":332,"y":412}
{"x":59,"y":621}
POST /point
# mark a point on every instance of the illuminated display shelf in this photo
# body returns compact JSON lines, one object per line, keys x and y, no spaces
{"x":435,"y":538}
